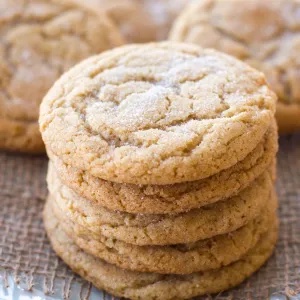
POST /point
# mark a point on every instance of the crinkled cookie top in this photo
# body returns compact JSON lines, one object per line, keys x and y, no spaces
{"x":265,"y":34}
{"x":156,"y":113}
{"x":39,"y":40}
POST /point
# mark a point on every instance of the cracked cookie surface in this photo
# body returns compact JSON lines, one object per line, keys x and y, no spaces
{"x":156,"y":229}
{"x":39,"y":40}
{"x":176,"y":198}
{"x":138,"y":285}
{"x":157,"y":113}
{"x":203,"y":255}
{"x":269,"y":42}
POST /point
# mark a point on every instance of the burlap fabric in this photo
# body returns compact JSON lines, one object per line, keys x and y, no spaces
{"x":29,"y":267}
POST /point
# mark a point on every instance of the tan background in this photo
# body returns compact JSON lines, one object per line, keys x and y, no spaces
{"x":29,"y":267}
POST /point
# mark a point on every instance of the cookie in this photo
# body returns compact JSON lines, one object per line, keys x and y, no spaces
{"x":157,"y":113}
{"x":140,"y":229}
{"x":270,"y":42}
{"x":138,"y":285}
{"x":288,"y":117}
{"x":174,"y":198}
{"x":39,"y":40}
{"x":22,"y":136}
{"x":212,"y":253}
{"x":163,"y":13}
{"x":139,"y":21}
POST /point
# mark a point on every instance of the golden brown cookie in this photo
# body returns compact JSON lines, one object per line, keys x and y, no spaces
{"x":140,"y":229}
{"x":174,"y":198}
{"x":23,"y":136}
{"x":156,"y":113}
{"x":139,"y":21}
{"x":288,"y":117}
{"x":212,"y":253}
{"x":39,"y":40}
{"x":137,"y":285}
{"x":265,"y":34}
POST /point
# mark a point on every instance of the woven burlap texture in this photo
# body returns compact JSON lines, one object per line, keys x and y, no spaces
{"x":28,"y":264}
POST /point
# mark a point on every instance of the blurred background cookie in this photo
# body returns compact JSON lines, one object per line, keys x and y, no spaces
{"x":139,"y":20}
{"x":265,"y":34}
{"x":40,"y":40}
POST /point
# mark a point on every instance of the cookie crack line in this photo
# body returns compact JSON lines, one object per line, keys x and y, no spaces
{"x":51,"y":22}
{"x":193,"y":119}
{"x":192,"y":116}
{"x":272,"y":32}
{"x":10,"y":25}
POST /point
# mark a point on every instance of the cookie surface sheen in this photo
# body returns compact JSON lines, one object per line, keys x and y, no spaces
{"x":157,"y":113}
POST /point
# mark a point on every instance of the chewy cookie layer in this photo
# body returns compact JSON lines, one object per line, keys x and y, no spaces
{"x":137,"y":285}
{"x":140,"y":229}
{"x":203,"y":255}
{"x":175,"y":198}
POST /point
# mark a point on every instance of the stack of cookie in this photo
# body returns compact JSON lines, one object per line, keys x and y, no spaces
{"x":162,"y":161}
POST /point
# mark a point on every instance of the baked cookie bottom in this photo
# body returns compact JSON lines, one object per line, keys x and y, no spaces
{"x":138,"y":285}
{"x":21,"y":136}
{"x":176,"y":198}
{"x":139,"y":229}
{"x":203,"y":255}
{"x":288,"y":117}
